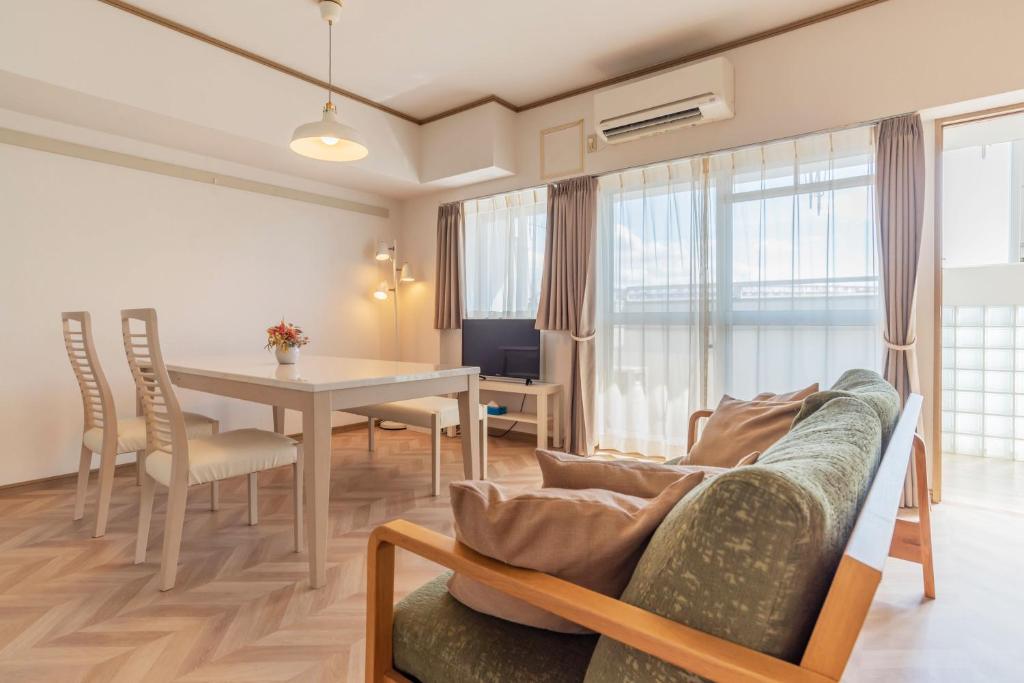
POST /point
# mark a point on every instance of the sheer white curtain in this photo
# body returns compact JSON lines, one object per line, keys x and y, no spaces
{"x":653,"y":299}
{"x":742,"y":272}
{"x":504,"y":254}
{"x":803,"y":302}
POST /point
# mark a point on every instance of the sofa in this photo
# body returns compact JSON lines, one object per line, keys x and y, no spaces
{"x":744,"y":564}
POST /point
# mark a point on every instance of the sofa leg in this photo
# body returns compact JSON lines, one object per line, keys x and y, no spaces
{"x":924,"y":517}
{"x":912,"y":540}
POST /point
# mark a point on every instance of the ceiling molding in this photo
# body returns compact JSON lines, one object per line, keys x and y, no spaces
{"x":470,"y":105}
{"x":677,"y":61}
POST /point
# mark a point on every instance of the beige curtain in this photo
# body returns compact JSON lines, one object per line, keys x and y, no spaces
{"x":899,"y":185}
{"x":448,"y":268}
{"x":567,"y":294}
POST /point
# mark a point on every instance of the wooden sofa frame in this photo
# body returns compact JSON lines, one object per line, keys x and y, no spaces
{"x":878,"y":534}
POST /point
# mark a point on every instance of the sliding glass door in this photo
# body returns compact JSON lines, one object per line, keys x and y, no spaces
{"x":736,"y":273}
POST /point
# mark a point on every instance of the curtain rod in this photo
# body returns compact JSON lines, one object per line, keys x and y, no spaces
{"x":724,"y":150}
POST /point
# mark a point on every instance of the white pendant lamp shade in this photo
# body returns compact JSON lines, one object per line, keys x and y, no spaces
{"x":328,"y":139}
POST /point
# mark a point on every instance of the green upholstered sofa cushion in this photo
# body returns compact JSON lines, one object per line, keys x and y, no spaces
{"x":439,"y":640}
{"x":749,"y":555}
{"x":866,"y":385}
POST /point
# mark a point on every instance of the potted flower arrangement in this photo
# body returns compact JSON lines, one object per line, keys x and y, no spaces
{"x":286,"y":339}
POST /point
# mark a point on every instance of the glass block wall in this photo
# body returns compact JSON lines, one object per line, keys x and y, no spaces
{"x":983,"y":381}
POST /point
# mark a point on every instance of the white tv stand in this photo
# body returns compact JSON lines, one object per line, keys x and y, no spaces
{"x":545,"y":393}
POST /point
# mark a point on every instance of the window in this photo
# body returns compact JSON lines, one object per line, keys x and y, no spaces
{"x":737,"y":273}
{"x":982,"y":176}
{"x":504,"y":254}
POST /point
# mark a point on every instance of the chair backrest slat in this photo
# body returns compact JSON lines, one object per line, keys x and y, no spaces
{"x":165,"y":423}
{"x":97,"y":400}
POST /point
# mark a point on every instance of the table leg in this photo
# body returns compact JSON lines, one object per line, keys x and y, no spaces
{"x":542,"y":421}
{"x":469,"y":418}
{"x":316,"y":454}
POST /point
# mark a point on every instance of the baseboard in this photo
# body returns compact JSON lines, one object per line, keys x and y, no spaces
{"x":355,"y":426}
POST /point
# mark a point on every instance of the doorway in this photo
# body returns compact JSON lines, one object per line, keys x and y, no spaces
{"x":979,"y":421}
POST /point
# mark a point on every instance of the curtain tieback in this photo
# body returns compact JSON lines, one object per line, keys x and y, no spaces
{"x":900,"y":347}
{"x":582,"y":339}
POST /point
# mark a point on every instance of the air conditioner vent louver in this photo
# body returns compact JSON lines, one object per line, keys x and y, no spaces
{"x":686,"y":96}
{"x":688,"y":116}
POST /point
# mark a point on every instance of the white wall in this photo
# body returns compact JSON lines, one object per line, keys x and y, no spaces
{"x":219,"y":265}
{"x":993,"y":285}
{"x":891,"y":58}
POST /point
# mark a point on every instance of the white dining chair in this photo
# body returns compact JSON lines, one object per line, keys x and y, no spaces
{"x":176,"y":461}
{"x":105,"y":432}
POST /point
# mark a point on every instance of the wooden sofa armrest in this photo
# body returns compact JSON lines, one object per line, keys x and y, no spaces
{"x":691,"y":432}
{"x":694,"y":650}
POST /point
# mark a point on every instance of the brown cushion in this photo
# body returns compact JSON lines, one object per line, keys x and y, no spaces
{"x":631,"y":477}
{"x":738,"y":428}
{"x":798,"y":395}
{"x":591,"y":537}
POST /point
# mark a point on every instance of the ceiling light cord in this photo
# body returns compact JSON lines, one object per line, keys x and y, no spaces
{"x":330,"y":63}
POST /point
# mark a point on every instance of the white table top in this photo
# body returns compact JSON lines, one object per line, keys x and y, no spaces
{"x":313,"y":373}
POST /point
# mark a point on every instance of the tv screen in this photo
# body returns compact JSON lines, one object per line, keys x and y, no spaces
{"x":502,"y":348}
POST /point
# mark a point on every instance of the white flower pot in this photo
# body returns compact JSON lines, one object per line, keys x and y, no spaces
{"x":288,"y":355}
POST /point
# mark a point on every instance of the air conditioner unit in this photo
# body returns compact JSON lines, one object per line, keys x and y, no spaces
{"x":687,"y":96}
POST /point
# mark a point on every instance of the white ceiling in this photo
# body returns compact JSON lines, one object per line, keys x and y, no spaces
{"x":98,"y":68}
{"x":424,"y":57}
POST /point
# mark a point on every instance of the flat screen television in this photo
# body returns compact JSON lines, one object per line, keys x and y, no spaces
{"x":502,"y":348}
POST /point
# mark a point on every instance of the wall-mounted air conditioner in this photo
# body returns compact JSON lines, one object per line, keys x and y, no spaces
{"x":686,"y":96}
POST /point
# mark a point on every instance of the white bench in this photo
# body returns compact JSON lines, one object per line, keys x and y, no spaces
{"x":432,"y":412}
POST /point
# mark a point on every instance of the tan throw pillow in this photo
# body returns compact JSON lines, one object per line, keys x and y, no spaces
{"x":798,"y":395}
{"x":738,"y":428}
{"x":591,"y":537}
{"x":631,"y":477}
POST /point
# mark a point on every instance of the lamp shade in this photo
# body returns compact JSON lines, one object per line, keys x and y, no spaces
{"x":381,"y":293}
{"x":406,"y":274}
{"x":383,"y":251}
{"x":328,"y":139}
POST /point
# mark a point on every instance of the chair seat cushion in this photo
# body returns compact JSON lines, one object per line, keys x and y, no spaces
{"x":131,"y":432}
{"x":416,"y":411}
{"x":225,"y":455}
{"x":439,"y":640}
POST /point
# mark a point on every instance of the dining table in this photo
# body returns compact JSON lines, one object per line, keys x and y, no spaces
{"x":317,"y":386}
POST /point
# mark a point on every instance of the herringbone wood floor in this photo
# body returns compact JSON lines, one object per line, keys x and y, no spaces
{"x":73,"y":608}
